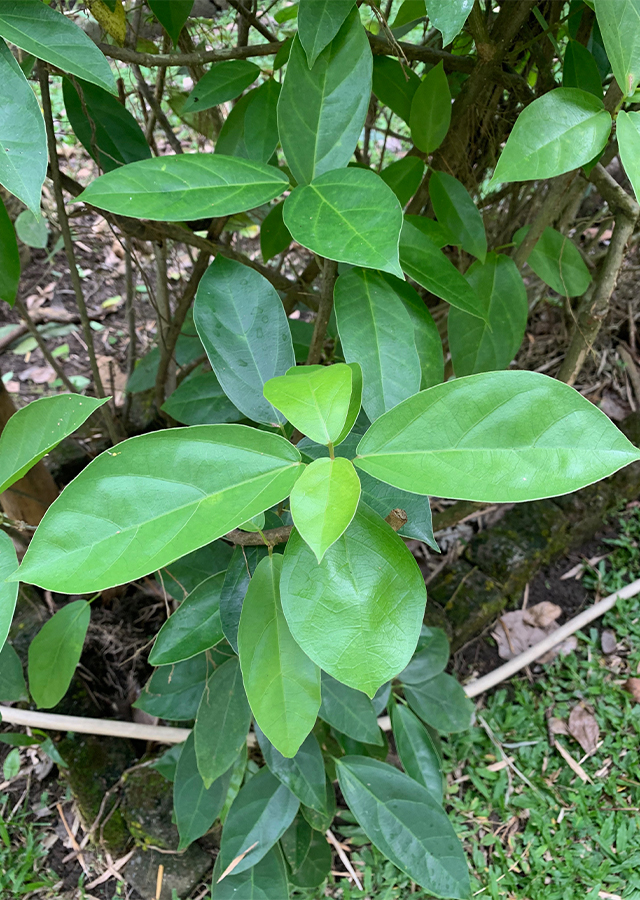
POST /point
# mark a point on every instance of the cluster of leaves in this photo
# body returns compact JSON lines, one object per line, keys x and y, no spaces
{"x":307,"y":642}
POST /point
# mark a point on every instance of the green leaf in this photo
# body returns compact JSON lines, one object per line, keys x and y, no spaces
{"x":358,"y":613}
{"x":32,"y":231}
{"x":349,"y":711}
{"x":404,"y":177}
{"x":303,"y":774}
{"x":174,"y":692}
{"x":193,"y":628}
{"x":423,"y":261}
{"x":628,"y":134}
{"x":282,"y":684}
{"x":9,"y":253}
{"x":241,"y":568}
{"x":394,"y":85}
{"x":320,"y":821}
{"x":409,"y":14}
{"x":261,"y":122}
{"x":162,"y":495}
{"x":195,"y":807}
{"x":322,"y":110}
{"x":260,"y":815}
{"x":168,"y":762}
{"x":230,"y":141}
{"x":435,"y":231}
{"x":441,"y":702}
{"x":431,"y":110}
{"x":224,"y":81}
{"x":9,"y":590}
{"x":274,"y":234}
{"x":557,"y":261}
{"x":104,"y":127}
{"x":406,"y":824}
{"x":448,"y":16}
{"x":425,"y":332}
{"x":376,"y":330}
{"x":185,"y":187}
{"x":314,"y":399}
{"x":188,"y":349}
{"x":430,"y":659}
{"x":172,"y":14}
{"x":23,"y":160}
{"x":222,"y":722}
{"x":619,"y":22}
{"x":497,"y":437}
{"x":318,"y":23}
{"x":478,"y":346}
{"x":200,"y":400}
{"x":37,"y":428}
{"x":13,"y":688}
{"x":11,"y":764}
{"x":349,"y":215}
{"x":307,"y":852}
{"x":416,"y":750}
{"x":50,"y":36}
{"x":458,"y":213}
{"x":243,"y":326}
{"x":185,"y":574}
{"x":55,"y":652}
{"x":267,"y":880}
{"x":579,"y":70}
{"x":355,"y":403}
{"x":324,"y":501}
{"x":558,"y":132}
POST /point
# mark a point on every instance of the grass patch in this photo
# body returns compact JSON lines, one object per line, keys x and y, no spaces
{"x":23,"y":868}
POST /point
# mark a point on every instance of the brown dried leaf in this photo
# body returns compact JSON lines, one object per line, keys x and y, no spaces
{"x":542,"y":614}
{"x":584,"y":728}
{"x":633,"y":686}
{"x":558,"y":726}
{"x":520,"y":629}
{"x":608,"y":641}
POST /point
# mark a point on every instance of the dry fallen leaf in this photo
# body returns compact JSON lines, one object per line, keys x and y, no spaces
{"x":584,"y":728}
{"x":633,"y":686}
{"x":542,"y":614}
{"x":557,"y":726}
{"x":608,"y":641}
{"x":520,"y":629}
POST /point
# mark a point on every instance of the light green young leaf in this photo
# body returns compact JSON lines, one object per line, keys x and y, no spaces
{"x":267,"y":880}
{"x":55,"y":652}
{"x":303,"y":774}
{"x":196,"y":807}
{"x":406,"y":824}
{"x":23,"y":160}
{"x":184,"y":187}
{"x":425,"y":332}
{"x":354,"y":404}
{"x":448,"y":16}
{"x":12,"y":684}
{"x":31,"y":230}
{"x":324,"y":501}
{"x":9,"y":590}
{"x":322,"y":110}
{"x":619,"y":22}
{"x":431,"y":110}
{"x":340,"y":612}
{"x":349,"y":215}
{"x":557,"y":261}
{"x":162,"y":495}
{"x":224,"y":81}
{"x":628,"y":134}
{"x":416,"y":750}
{"x":200,"y":400}
{"x":48,"y":35}
{"x":349,"y":711}
{"x":282,"y":683}
{"x":440,"y":702}
{"x":9,"y":253}
{"x":274,"y":234}
{"x":172,"y":15}
{"x":478,"y":346}
{"x":458,"y":213}
{"x":11,"y":764}
{"x":580,"y":70}
{"x":404,"y":177}
{"x":244,"y":329}
{"x":318,"y":23}
{"x":394,"y":85}
{"x":558,"y":132}
{"x":497,"y":437}
{"x":193,"y":628}
{"x":315,"y":399}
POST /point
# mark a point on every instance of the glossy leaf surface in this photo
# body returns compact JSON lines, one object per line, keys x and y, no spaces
{"x":394,"y":85}
{"x":404,"y":177}
{"x":324,"y":501}
{"x":224,"y":81}
{"x":241,"y":568}
{"x":261,"y":122}
{"x":580,"y":70}
{"x":628,"y":134}
{"x":431,"y":110}
{"x":274,"y":234}
{"x":349,"y":711}
{"x":196,"y":808}
{"x":200,"y":400}
{"x":9,"y":253}
{"x":349,"y":215}
{"x":307,"y":852}
{"x":303,"y":774}
{"x":8,"y":590}
{"x":619,"y":22}
{"x":174,"y":692}
{"x":318,"y":23}
{"x":496,"y":437}
{"x":193,"y":628}
{"x":315,"y":399}
{"x":55,"y":652}
{"x":244,"y":329}
{"x":172,"y":15}
{"x":282,"y":683}
{"x":425,"y":332}
{"x":358,"y":613}
{"x":185,"y":187}
{"x":448,"y":16}
{"x":458,"y":213}
{"x":267,"y":880}
{"x":557,"y":261}
{"x":226,"y":474}
{"x":441,"y":702}
{"x":416,"y":750}
{"x":430,"y":659}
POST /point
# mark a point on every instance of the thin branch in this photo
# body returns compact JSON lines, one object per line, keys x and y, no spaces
{"x":130,"y":316}
{"x":552,"y":206}
{"x":201,"y":57}
{"x":252,"y":20}
{"x":329,"y":275}
{"x":154,"y":104}
{"x":272,"y":536}
{"x":164,"y":324}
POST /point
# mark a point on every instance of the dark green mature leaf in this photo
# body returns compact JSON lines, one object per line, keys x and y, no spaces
{"x":184,"y":575}
{"x":358,"y":613}
{"x":557,"y":261}
{"x":478,"y":346}
{"x":431,"y":110}
{"x":172,"y":14}
{"x":349,"y":215}
{"x":405,"y":823}
{"x":349,"y":711}
{"x":174,"y":692}
{"x":458,"y":213}
{"x":241,"y":567}
{"x":260,"y":815}
{"x":200,"y":400}
{"x":422,"y":260}
{"x":282,"y":683}
{"x":12,"y":684}
{"x":376,"y":331}
{"x":222,"y":721}
{"x":48,"y":35}
{"x":261,"y":122}
{"x":55,"y":652}
{"x":230,"y":141}
{"x":193,"y":628}
{"x":9,"y":590}
{"x":496,"y":437}
{"x":430,"y":659}
{"x":36,"y":429}
{"x":307,"y":852}
{"x":408,"y":16}
{"x":404,"y":177}
{"x":580,"y":70}
{"x":224,"y":81}
{"x":267,"y":880}
{"x":274,"y":234}
{"x":324,"y":501}
{"x":9,"y":253}
{"x":226,"y":473}
{"x":416,"y":750}
{"x":320,"y":821}
{"x":322,"y":110}
{"x":394,"y":85}
{"x":23,"y":160}
{"x":303,"y":774}
{"x":558,"y":132}
{"x":318,"y":23}
{"x":185,"y":187}
{"x":619,"y":22}
{"x":435,"y":231}
{"x":441,"y":702}
{"x":244,"y":329}
{"x":448,"y":16}
{"x":425,"y":332}
{"x":628,"y":134}
{"x":315,"y":399}
{"x":196,"y":808}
